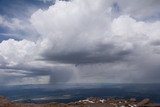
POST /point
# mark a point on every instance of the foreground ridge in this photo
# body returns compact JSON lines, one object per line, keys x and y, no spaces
{"x":89,"y":102}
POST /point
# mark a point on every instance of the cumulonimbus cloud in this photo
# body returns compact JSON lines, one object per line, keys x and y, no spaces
{"x":86,"y":33}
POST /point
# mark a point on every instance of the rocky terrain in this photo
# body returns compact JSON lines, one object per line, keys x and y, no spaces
{"x":89,"y":102}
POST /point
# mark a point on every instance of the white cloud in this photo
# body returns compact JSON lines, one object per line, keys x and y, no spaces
{"x":78,"y":26}
{"x":126,"y":26}
{"x":86,"y":32}
{"x":73,"y":27}
{"x":13,"y":23}
{"x":17,"y":28}
{"x":17,"y":52}
{"x":139,"y":9}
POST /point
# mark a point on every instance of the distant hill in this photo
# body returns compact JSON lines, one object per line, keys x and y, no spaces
{"x":89,"y":102}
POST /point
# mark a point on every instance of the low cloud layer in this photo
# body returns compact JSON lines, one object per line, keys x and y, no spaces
{"x":111,"y":41}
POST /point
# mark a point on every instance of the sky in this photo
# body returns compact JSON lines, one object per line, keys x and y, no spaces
{"x":79,"y":41}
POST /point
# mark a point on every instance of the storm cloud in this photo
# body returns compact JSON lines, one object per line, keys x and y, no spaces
{"x":109,"y":41}
{"x":103,"y":54}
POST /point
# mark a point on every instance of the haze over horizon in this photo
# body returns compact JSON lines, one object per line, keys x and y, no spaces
{"x":79,"y":41}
